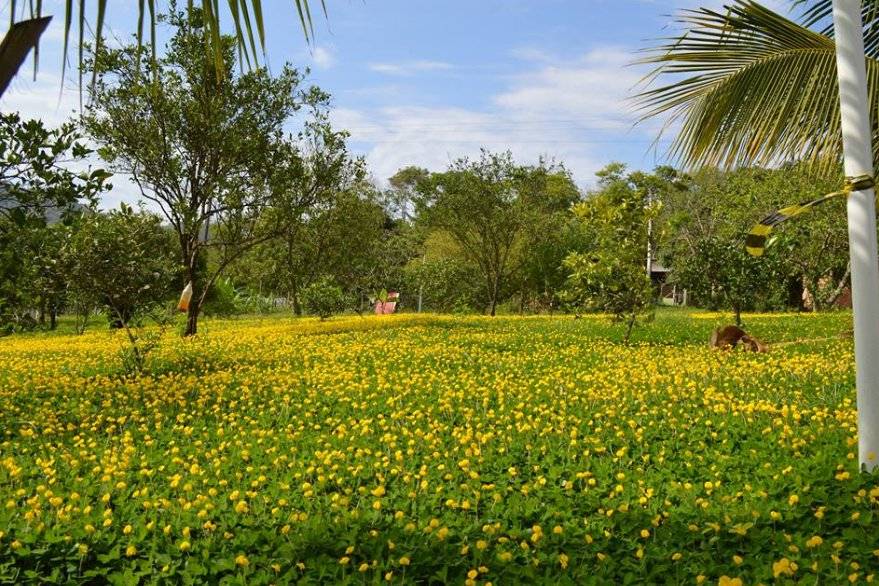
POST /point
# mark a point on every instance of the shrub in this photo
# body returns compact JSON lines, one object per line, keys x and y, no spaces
{"x":323,"y":298}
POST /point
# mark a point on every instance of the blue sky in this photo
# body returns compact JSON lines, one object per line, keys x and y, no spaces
{"x":425,"y":82}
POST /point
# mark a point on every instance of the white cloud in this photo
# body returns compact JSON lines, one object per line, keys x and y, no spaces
{"x":594,"y":88}
{"x":409,"y":67}
{"x":570,"y":111}
{"x":43,"y":98}
{"x":323,"y":57}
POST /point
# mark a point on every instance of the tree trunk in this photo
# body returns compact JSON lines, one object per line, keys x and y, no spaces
{"x":297,"y":306}
{"x":840,"y":286}
{"x":738,"y":312}
{"x":53,"y":318}
{"x":493,"y":294}
{"x":192,"y":258}
{"x":629,"y":327}
{"x":192,"y":317}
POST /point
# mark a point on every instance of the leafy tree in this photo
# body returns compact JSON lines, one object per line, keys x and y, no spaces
{"x":50,"y":273}
{"x":207,"y":146}
{"x":323,"y":298}
{"x":485,"y":206}
{"x":123,"y":261}
{"x":37,"y":188}
{"x":401,"y":199}
{"x":715,"y":207}
{"x":610,"y":275}
{"x":550,"y":234}
{"x":722,"y":274}
{"x":34,"y":174}
{"x":447,"y":283}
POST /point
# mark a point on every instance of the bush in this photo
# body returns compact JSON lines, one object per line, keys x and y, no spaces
{"x":323,"y":298}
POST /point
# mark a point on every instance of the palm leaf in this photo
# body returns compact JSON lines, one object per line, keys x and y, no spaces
{"x":241,"y":10}
{"x":819,"y":14}
{"x":749,"y":86}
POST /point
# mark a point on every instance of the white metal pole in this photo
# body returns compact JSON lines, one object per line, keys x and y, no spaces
{"x":858,"y":160}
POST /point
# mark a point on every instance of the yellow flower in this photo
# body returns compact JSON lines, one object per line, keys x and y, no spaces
{"x":344,"y":560}
{"x":783,"y":567}
{"x":131,"y":550}
{"x":814,"y":541}
{"x":363,"y":567}
{"x":404,"y":561}
{"x":727,"y":581}
{"x":563,"y":561}
{"x":793,"y":500}
{"x":185,"y":546}
{"x":645,"y":533}
{"x":241,"y":507}
{"x":127,"y":530}
{"x":241,"y":560}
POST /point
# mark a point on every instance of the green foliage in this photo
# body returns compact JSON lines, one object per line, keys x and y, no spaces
{"x":447,"y":284}
{"x":705,"y":221}
{"x":124,"y":262}
{"x":722,"y":275}
{"x":611,"y":275}
{"x":34,"y":174}
{"x":244,"y":180}
{"x":323,"y":298}
{"x":38,"y":188}
{"x":222,"y":299}
{"x":486,"y":206}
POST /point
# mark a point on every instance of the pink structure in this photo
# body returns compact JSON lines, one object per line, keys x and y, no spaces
{"x":387,"y":307}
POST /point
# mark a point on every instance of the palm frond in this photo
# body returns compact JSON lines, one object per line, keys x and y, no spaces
{"x":748,"y":86}
{"x":248,"y":25}
{"x":818,"y":14}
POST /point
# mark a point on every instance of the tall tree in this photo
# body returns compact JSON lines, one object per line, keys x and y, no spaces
{"x":483,"y":205}
{"x":207,"y":145}
{"x":37,"y":187}
{"x":550,"y":234}
{"x":610,"y":273}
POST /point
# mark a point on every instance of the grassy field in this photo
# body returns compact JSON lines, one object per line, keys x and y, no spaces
{"x":445,"y":449}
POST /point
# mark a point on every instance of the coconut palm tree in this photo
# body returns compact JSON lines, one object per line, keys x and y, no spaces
{"x":746,"y":85}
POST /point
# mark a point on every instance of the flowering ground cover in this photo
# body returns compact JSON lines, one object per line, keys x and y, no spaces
{"x":446,"y":449}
